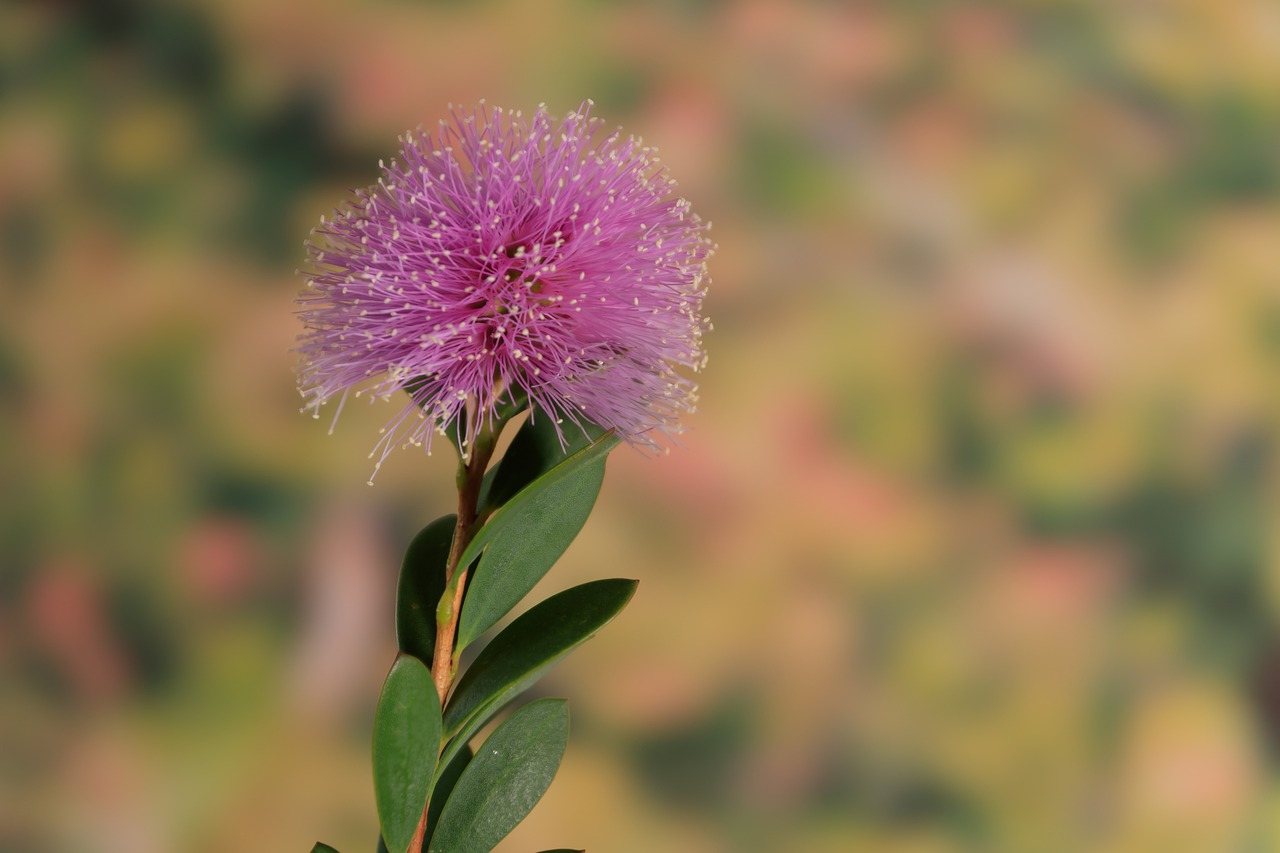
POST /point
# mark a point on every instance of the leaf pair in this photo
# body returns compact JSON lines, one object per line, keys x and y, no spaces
{"x":525,"y":651}
{"x":494,"y":791}
{"x":541,"y":499}
{"x":409,"y":728}
{"x":523,"y":540}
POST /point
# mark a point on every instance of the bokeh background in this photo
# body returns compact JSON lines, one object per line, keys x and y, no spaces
{"x":970,"y":547}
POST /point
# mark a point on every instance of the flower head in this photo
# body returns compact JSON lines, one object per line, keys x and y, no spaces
{"x":506,"y":258}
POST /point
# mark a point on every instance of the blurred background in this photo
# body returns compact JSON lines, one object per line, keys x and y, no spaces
{"x":968,"y":549}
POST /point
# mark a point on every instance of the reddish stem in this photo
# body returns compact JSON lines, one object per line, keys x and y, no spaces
{"x":470,"y":478}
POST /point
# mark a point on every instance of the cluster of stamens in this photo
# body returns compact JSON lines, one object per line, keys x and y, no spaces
{"x":503,"y":256}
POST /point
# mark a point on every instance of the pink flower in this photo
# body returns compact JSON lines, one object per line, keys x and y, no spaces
{"x":506,"y":258}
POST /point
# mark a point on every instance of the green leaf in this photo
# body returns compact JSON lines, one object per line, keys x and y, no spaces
{"x":444,"y":785}
{"x":321,"y":847}
{"x":505,"y":780}
{"x":585,"y":456}
{"x":406,"y":745}
{"x":535,"y":449}
{"x":525,"y":650}
{"x":420,"y":587}
{"x":528,"y":535}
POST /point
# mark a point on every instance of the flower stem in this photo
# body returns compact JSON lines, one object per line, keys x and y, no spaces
{"x":470,"y":477}
{"x":471,"y":468}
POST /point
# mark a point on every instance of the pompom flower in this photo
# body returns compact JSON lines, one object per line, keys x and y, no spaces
{"x":506,"y":258}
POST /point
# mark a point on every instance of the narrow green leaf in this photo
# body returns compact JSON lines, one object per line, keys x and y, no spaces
{"x":525,"y":650}
{"x":535,"y":449}
{"x":526,"y":548}
{"x":585,"y":456}
{"x":510,"y":773}
{"x":321,"y":847}
{"x":420,"y":587}
{"x":443,"y":787}
{"x":406,"y":744}
{"x":528,"y":535}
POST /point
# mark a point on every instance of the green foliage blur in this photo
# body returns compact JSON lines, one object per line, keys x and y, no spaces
{"x":971,"y":547}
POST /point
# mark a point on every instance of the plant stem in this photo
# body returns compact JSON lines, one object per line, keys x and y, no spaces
{"x":470,"y":477}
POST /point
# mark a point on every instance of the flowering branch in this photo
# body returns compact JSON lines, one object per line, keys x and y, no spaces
{"x":506,"y":265}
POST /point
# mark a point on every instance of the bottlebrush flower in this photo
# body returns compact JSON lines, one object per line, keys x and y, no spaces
{"x":504,"y":255}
